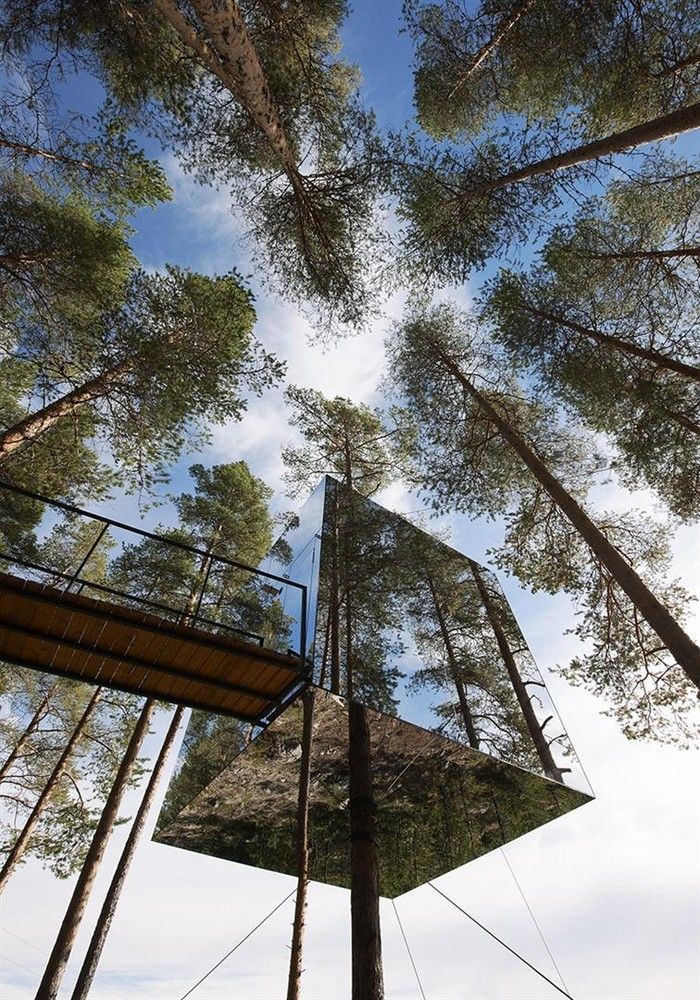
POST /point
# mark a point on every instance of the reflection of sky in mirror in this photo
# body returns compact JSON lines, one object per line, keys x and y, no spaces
{"x":296,"y":556}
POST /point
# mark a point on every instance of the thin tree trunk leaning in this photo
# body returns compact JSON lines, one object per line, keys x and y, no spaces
{"x":23,"y":149}
{"x":683,"y":419}
{"x":295,"y":959}
{"x":689,"y":60}
{"x":56,"y":967}
{"x":507,"y":23}
{"x":232,"y":57}
{"x":662,"y":361}
{"x":664,"y":127}
{"x":472,"y":735}
{"x":226,"y":26}
{"x":22,"y":842}
{"x":367,"y":973}
{"x":658,"y":617}
{"x":534,"y":728}
{"x":31,"y":726}
{"x":367,"y":977}
{"x":334,"y":606}
{"x":104,"y":921}
{"x":676,"y":252}
{"x":27,"y":430}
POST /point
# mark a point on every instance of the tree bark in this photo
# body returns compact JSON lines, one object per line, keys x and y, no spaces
{"x":295,"y":960}
{"x":235,"y":62}
{"x":31,"y":726}
{"x":534,"y":728}
{"x":689,"y":60}
{"x":104,"y":921}
{"x":658,"y":617}
{"x":656,"y":358}
{"x":454,"y":669}
{"x":55,"y":969}
{"x":367,"y":973}
{"x":506,"y":24}
{"x":664,"y":127}
{"x":27,"y":430}
{"x":367,"y":977}
{"x":682,"y":418}
{"x":23,"y":149}
{"x":19,"y":847}
{"x":334,"y":606}
{"x":675,"y":253}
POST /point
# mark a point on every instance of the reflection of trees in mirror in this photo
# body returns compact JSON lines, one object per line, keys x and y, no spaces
{"x":438,"y":803}
{"x":357,"y":592}
{"x":501,"y":621}
{"x":410,"y":591}
{"x":209,"y":745}
{"x":526,"y":679}
{"x":228,"y":516}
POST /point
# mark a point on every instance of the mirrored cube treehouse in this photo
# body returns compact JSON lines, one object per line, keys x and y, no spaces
{"x":468,"y":751}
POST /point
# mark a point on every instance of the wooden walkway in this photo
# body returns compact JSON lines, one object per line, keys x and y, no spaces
{"x":103,"y":643}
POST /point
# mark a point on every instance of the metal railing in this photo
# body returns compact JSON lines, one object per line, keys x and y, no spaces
{"x":220,"y":590}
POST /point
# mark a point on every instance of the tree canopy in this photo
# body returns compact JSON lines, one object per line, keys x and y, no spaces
{"x":175,"y":355}
{"x":612,"y":64}
{"x":607,"y":323}
{"x":482,"y":447}
{"x":253,"y":95}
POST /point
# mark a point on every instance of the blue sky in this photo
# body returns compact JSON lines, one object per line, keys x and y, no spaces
{"x":615,"y":885}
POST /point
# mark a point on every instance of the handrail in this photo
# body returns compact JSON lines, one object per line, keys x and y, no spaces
{"x":73,"y":509}
{"x":103,"y":588}
{"x":184,"y":546}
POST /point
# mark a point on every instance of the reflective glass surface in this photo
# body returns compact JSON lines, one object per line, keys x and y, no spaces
{"x":468,"y":750}
{"x":439,"y":803}
{"x":410,"y":627}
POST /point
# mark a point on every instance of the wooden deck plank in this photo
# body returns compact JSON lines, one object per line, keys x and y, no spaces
{"x":100,"y":642}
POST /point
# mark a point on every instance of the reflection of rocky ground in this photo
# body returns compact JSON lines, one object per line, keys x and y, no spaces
{"x":439,"y":804}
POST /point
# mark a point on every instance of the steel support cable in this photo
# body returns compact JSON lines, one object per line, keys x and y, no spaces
{"x":534,"y":920}
{"x":408,"y":949}
{"x":238,"y":945}
{"x":501,"y":942}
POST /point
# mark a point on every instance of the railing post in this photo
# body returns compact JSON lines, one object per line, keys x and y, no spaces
{"x":86,"y":558}
{"x":302,"y":629}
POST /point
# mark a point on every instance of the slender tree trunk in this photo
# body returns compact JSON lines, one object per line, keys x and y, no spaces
{"x":31,"y":726}
{"x":503,"y":28}
{"x":227,"y":27}
{"x":673,"y":254}
{"x":367,"y":974}
{"x":233,"y":58}
{"x":472,"y":735}
{"x":56,"y":967}
{"x":690,"y":60}
{"x":664,"y":127}
{"x":334,"y":605}
{"x":658,"y":617}
{"x":662,"y":361}
{"x":22,"y":149}
{"x":26,"y":431}
{"x":534,"y":728}
{"x":681,"y":418}
{"x":104,"y":921}
{"x":19,"y":847}
{"x":295,"y":960}
{"x":367,"y":977}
